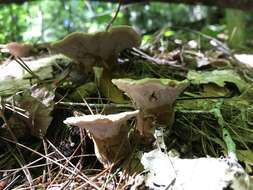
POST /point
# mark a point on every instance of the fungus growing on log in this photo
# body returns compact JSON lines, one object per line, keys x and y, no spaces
{"x":154,"y":98}
{"x":98,"y":48}
{"x":109,"y":134}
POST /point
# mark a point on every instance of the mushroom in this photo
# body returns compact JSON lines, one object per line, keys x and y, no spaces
{"x":17,"y":49}
{"x":155,"y":99}
{"x":109,"y":134}
{"x":99,"y":48}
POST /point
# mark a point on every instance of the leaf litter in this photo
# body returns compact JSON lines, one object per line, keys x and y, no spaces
{"x":213,"y":115}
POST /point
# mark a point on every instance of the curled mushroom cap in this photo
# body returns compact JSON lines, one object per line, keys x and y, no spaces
{"x":150,"y":93}
{"x":86,"y":48}
{"x":101,"y":126}
{"x":109,"y":134}
{"x":155,"y":99}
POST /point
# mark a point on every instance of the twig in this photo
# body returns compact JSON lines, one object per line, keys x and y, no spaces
{"x":157,"y":61}
{"x":111,"y":105}
{"x":48,"y":163}
{"x":12,"y":182}
{"x":93,"y":178}
{"x":30,"y":165}
{"x":15,"y":109}
{"x":114,"y":17}
{"x":53,"y":161}
{"x":15,"y":141}
{"x":24,"y":66}
{"x":85,"y":102}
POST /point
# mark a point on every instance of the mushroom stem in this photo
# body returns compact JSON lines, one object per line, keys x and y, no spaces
{"x":113,"y":149}
{"x":149,"y":119}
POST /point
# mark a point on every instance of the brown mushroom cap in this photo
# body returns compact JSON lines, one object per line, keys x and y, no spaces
{"x":109,"y":134}
{"x":154,"y":98}
{"x":87,"y":48}
{"x":17,"y":49}
{"x":151,"y":93}
{"x":101,"y":126}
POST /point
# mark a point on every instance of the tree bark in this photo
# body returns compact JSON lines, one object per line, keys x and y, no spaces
{"x":246,"y":5}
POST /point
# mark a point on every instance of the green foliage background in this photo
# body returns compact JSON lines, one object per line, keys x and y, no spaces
{"x":50,"y":20}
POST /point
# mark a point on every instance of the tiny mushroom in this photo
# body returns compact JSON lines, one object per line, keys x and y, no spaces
{"x":109,"y":134}
{"x":99,"y":48}
{"x":155,"y":98}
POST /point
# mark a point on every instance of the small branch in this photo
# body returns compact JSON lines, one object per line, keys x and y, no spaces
{"x":97,"y":105}
{"x":115,"y":16}
{"x":25,"y":67}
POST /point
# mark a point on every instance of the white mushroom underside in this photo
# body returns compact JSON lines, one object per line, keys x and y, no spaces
{"x":101,"y":126}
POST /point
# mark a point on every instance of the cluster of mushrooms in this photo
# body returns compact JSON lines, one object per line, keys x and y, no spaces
{"x":153,"y":98}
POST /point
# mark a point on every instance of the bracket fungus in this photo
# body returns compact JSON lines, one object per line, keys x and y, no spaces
{"x":154,"y":98}
{"x":109,"y":134}
{"x":98,"y":48}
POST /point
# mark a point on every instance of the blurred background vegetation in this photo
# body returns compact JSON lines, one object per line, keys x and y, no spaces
{"x":49,"y":20}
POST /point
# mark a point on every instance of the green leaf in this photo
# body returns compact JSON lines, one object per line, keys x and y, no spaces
{"x":105,"y":85}
{"x":169,"y":33}
{"x":219,"y":77}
